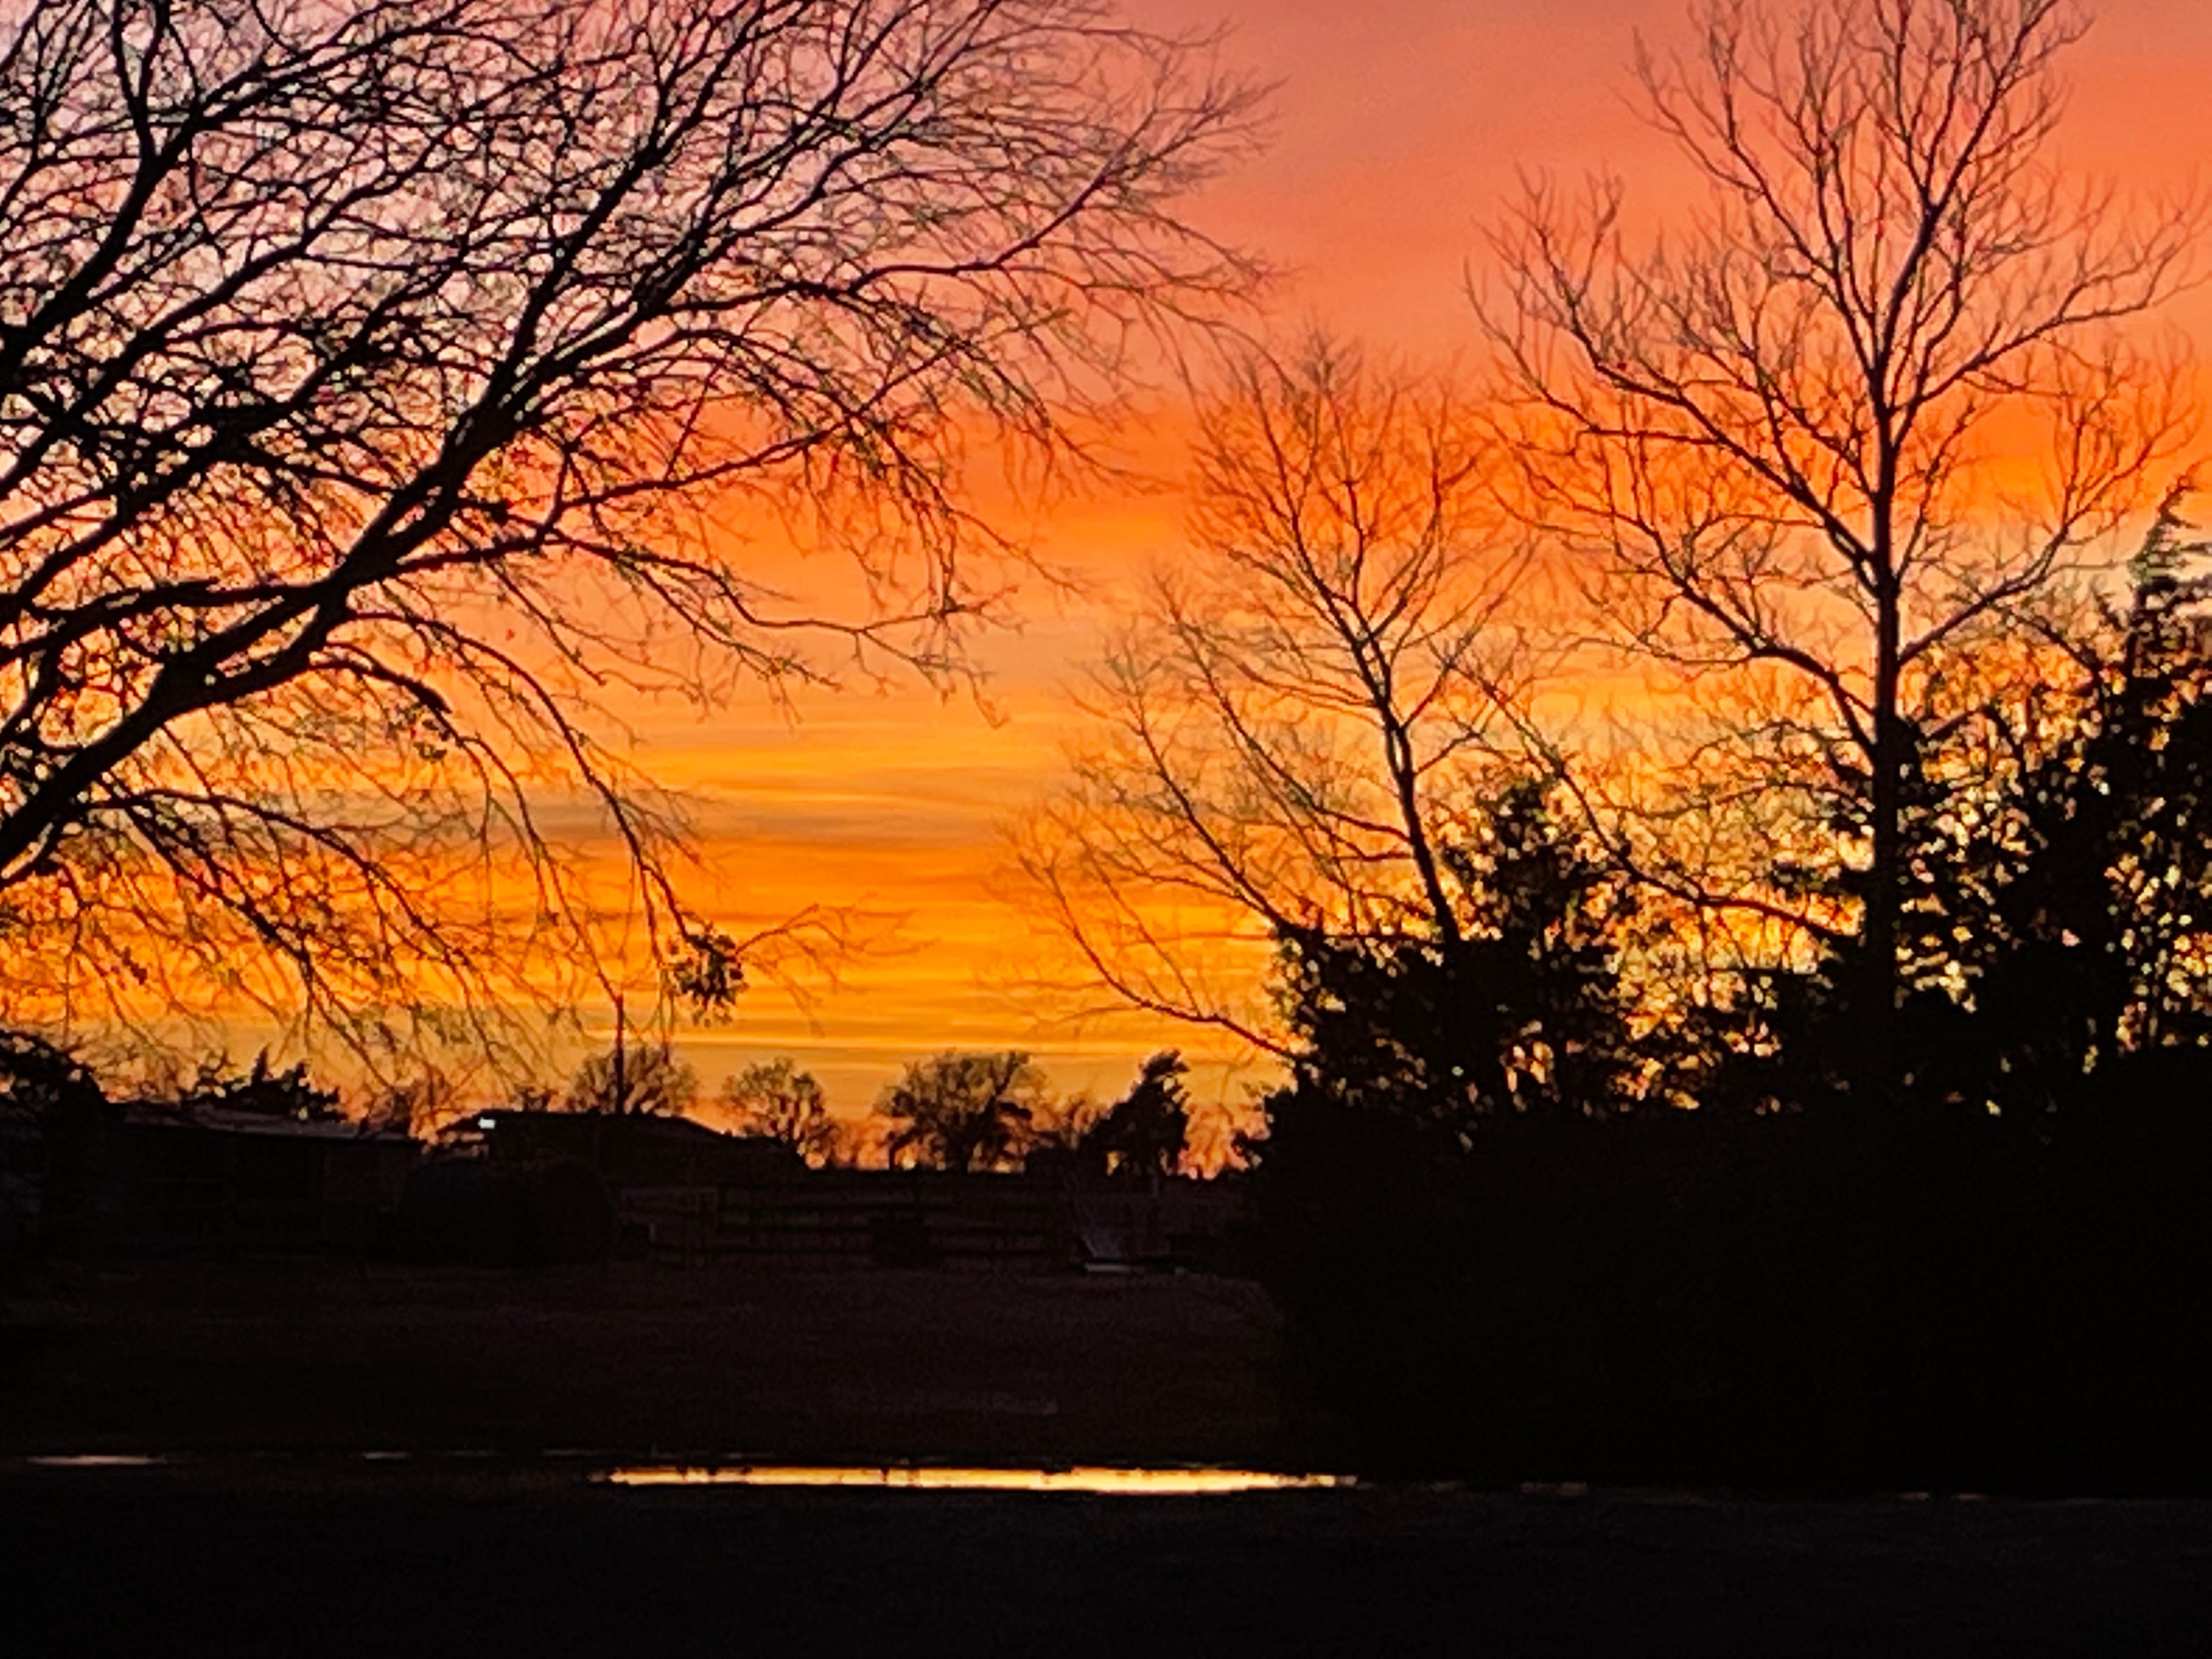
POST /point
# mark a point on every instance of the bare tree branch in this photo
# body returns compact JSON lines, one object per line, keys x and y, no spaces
{"x":1284,"y":741}
{"x":1782,"y":434}
{"x":373,"y":375}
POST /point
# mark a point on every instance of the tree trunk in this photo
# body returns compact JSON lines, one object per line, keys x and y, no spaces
{"x":1876,"y":1017}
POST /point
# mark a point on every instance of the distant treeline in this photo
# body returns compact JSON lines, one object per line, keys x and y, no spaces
{"x":973,"y":1112}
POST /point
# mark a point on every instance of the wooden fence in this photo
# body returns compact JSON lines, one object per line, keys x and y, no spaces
{"x":971,"y":1222}
{"x":834,"y":1218}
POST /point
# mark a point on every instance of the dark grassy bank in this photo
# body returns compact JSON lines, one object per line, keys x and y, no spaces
{"x":305,"y":1355}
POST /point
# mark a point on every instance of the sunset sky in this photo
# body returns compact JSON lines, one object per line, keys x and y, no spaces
{"x":1401,"y":127}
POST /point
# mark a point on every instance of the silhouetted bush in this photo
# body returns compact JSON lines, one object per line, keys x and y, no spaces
{"x":260,"y":1090}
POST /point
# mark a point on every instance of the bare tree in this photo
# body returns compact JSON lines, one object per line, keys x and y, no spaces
{"x":1842,"y":429}
{"x":964,"y":1112}
{"x":387,"y":385}
{"x":635,"y":1078}
{"x":776,"y":1100}
{"x":1308,"y":704}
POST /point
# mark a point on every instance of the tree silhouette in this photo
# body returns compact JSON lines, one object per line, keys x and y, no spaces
{"x":1777,"y":432}
{"x":776,"y":1100}
{"x":2057,"y":916}
{"x":384,"y":382}
{"x":1521,"y":1011}
{"x":261,"y":1089}
{"x":2101,"y":931}
{"x":637,"y":1078}
{"x":1147,"y":1131}
{"x":967,"y":1112}
{"x":1281,"y":742}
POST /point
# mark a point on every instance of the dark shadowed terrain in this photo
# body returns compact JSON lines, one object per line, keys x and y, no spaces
{"x":302,"y":1356}
{"x":294,"y":1559}
{"x":267,"y":1533}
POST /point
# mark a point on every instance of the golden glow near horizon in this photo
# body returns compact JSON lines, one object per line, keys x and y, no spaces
{"x":1111,"y":1482}
{"x":1401,"y":127}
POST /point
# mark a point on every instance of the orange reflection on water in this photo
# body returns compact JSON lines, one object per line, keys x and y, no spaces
{"x":1137,"y":1482}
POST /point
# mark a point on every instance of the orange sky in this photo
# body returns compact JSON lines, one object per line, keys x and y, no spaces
{"x":1400,"y":126}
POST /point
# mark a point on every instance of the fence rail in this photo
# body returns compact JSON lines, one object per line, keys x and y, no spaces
{"x":978,"y":1228}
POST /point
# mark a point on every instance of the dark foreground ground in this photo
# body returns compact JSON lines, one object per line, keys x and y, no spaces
{"x":267,"y":1532}
{"x":292,"y":1560}
{"x":204,"y":1357}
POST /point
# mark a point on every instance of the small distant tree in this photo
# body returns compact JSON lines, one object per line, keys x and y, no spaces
{"x":964,"y":1111}
{"x":1147,"y":1131}
{"x":775,"y":1100}
{"x":633,"y":1079}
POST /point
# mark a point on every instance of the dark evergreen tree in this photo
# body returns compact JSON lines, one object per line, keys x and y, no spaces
{"x":1523,"y":1014}
{"x":2057,"y":918}
{"x":2097,"y":949}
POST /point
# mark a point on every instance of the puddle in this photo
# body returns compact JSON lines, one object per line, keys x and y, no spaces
{"x":1193,"y":1482}
{"x":1196,"y":1481}
{"x":98,"y":1461}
